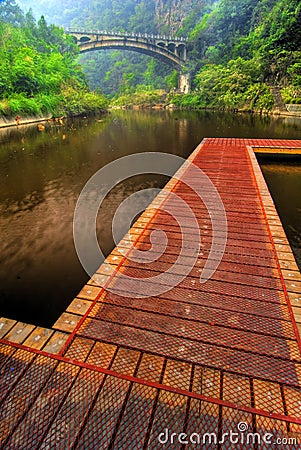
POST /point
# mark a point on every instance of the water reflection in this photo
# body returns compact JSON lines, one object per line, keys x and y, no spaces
{"x":42,"y":174}
{"x":284,"y":181}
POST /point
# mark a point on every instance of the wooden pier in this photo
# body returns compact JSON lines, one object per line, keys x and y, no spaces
{"x":179,"y":369}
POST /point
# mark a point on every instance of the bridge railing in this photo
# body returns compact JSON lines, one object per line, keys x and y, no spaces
{"x":127,"y":34}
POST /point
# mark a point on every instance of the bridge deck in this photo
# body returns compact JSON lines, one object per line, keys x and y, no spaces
{"x":199,"y":358}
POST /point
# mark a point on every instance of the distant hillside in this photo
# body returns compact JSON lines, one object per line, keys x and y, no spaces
{"x":114,"y":71}
{"x":237,"y":50}
{"x":155,"y":15}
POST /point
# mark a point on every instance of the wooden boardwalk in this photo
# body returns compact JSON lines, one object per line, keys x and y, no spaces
{"x":118,"y":370}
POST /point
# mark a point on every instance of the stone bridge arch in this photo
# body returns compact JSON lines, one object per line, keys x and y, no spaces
{"x":170,"y":50}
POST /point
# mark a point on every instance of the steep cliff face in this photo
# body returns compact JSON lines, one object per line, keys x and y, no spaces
{"x":169,"y":14}
{"x":165,"y":16}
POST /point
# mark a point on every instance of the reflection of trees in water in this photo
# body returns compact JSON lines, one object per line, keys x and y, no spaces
{"x":294,"y":233}
{"x":283,"y":176}
{"x":12,"y":137}
{"x":171,"y":123}
{"x":32,"y":160}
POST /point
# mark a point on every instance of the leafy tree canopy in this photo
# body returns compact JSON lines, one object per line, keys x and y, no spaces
{"x":37,"y":62}
{"x":264,"y":34}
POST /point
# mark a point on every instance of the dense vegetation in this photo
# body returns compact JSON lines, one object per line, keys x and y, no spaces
{"x":39,"y":73}
{"x":242,"y":48}
{"x":121,"y":72}
{"x":238,"y":49}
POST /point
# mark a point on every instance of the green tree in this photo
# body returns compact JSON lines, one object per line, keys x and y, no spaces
{"x":10,"y":12}
{"x":38,"y":67}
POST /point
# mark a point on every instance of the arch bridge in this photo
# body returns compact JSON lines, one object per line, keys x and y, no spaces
{"x":170,"y":50}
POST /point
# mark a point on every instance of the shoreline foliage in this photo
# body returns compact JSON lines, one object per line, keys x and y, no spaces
{"x":238,"y":51}
{"x":39,"y":72}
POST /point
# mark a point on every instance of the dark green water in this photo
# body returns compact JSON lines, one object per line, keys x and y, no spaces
{"x":42,"y":174}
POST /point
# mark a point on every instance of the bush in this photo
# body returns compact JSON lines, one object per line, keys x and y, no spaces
{"x":291,"y":94}
{"x":4,"y":108}
{"x":259,"y":97}
{"x":20,"y":104}
{"x":77,"y":100}
{"x":232,"y":86}
{"x":140,"y":97}
{"x":48,"y":103}
{"x":187,"y":101}
{"x":296,"y":101}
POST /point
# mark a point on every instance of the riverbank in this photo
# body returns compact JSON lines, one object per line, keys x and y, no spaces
{"x":265,"y":101}
{"x":286,"y":113}
{"x":261,"y":100}
{"x":171,"y":106}
{"x":6,"y":122}
{"x":74,"y":103}
{"x":20,"y":110}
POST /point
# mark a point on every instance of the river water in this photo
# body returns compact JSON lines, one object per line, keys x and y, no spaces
{"x":43,"y":172}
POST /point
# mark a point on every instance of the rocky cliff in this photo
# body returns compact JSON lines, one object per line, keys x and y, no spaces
{"x":169,"y":14}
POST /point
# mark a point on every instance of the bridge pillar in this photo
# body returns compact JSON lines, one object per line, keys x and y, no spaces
{"x":184,"y":83}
